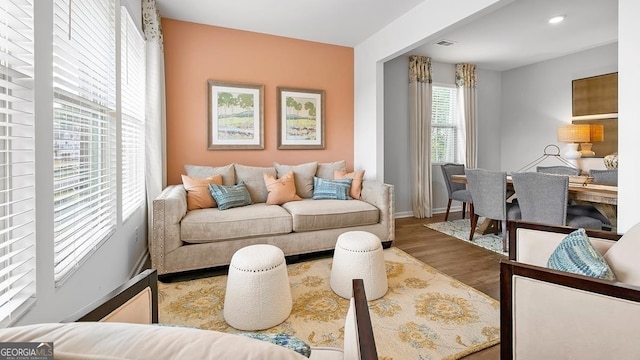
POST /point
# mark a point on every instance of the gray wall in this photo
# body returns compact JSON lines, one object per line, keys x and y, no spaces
{"x":537,"y":99}
{"x":397,"y":170}
{"x":519,"y":111}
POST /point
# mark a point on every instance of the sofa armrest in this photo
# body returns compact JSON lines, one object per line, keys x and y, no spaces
{"x":135,"y":301}
{"x":533,"y":243}
{"x":168,"y":210}
{"x":381,"y":196}
{"x":544,"y":311}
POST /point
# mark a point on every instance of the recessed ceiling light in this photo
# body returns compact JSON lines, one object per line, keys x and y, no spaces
{"x":557,"y":19}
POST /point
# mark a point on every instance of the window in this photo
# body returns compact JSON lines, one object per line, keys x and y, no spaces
{"x":84,"y":130}
{"x":17,"y":160}
{"x":132,"y":59}
{"x":444,"y":125}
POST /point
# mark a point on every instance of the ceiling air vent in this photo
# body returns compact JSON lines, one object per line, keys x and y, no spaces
{"x":445,"y":43}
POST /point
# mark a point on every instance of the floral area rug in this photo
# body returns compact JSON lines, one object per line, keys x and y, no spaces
{"x":424,"y":315}
{"x":460,"y":229}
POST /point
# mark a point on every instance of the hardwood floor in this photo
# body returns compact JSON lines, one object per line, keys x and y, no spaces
{"x":470,"y":264}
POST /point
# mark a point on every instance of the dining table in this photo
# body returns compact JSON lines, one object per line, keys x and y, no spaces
{"x":603,"y":197}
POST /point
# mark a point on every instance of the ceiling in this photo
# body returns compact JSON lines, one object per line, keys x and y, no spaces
{"x":511,"y":36}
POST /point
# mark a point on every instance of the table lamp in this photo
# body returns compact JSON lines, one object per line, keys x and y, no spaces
{"x":573,"y":134}
{"x":596,"y":134}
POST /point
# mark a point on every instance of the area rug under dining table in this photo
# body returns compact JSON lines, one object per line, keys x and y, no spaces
{"x":459,"y":229}
{"x":424,"y":315}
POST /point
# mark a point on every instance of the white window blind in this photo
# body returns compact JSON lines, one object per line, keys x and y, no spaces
{"x":17,"y":160}
{"x":84,"y":130}
{"x":444,"y":125}
{"x":132,"y":70}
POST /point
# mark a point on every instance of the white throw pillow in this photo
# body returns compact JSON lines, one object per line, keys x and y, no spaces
{"x":623,"y":257}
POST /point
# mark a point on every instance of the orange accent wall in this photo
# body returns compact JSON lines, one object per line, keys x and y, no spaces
{"x":195,"y":53}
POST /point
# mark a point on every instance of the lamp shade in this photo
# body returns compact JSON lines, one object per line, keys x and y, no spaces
{"x":574,"y":133}
{"x":597,"y":133}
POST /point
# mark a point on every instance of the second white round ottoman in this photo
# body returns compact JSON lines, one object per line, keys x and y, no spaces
{"x":258,"y":295}
{"x":358,"y":255}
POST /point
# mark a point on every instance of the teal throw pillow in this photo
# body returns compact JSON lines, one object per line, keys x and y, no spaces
{"x":331,"y":189}
{"x":576,"y":254}
{"x":229,"y":197}
{"x":288,"y":341}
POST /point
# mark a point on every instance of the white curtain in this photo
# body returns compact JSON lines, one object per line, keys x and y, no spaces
{"x":468,"y":110}
{"x":156,"y":173}
{"x":420,"y":89}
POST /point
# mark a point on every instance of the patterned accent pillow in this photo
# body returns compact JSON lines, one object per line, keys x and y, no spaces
{"x":576,"y":254}
{"x":288,"y":341}
{"x":229,"y":197}
{"x":331,"y":189}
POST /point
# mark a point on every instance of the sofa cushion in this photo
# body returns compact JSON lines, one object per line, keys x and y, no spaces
{"x":576,"y":254}
{"x":309,"y":215}
{"x":331,"y":189}
{"x":229,"y":197}
{"x":227,"y":172}
{"x":325,"y":170}
{"x":198,"y":194}
{"x":304,"y":174}
{"x":356,"y":184}
{"x":623,"y":257}
{"x":253,"y":179}
{"x":280,"y":190}
{"x":210,"y":225}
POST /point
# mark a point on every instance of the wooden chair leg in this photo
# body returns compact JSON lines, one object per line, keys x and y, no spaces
{"x":446,"y":216}
{"x":474,"y":223}
{"x":464,"y":209}
{"x":505,"y":235}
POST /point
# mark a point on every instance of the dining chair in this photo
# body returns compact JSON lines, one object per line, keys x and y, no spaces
{"x":456,"y":191}
{"x":489,"y":192}
{"x":604,"y":177}
{"x":543,"y":199}
{"x":558,"y":170}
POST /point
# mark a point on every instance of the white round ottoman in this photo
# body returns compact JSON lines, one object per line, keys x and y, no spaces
{"x":258,"y":295}
{"x":358,"y":255}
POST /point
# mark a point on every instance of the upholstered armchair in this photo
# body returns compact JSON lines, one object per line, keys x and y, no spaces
{"x":550,"y":314}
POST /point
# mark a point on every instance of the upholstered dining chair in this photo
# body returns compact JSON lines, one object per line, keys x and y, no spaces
{"x":604,"y":177}
{"x":558,"y":170}
{"x":489,"y":192}
{"x":543,"y":198}
{"x":456,"y":191}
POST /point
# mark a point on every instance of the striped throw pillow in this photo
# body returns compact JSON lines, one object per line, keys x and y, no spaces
{"x":229,"y":197}
{"x":331,"y":189}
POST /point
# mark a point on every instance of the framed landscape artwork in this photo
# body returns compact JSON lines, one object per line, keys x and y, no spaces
{"x":300,"y":118}
{"x":236,"y":119}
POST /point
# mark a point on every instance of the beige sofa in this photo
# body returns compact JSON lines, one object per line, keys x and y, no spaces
{"x":550,"y":314}
{"x":188,"y":240}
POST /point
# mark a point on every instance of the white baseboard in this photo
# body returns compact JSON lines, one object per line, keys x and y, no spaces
{"x":405,"y":214}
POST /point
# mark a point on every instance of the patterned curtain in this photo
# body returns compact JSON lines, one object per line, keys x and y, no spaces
{"x":420,"y":89}
{"x":156,"y":172}
{"x":468,"y":110}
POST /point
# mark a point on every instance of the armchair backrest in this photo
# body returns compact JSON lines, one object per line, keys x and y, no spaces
{"x":489,"y":192}
{"x":542,"y":197}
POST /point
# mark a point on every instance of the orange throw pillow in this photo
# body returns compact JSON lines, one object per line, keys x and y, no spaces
{"x":198,"y":195}
{"x":281,"y":190}
{"x":356,"y":184}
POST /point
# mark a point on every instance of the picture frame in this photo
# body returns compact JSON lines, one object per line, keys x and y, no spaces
{"x":236,"y":116}
{"x":301,"y":123}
